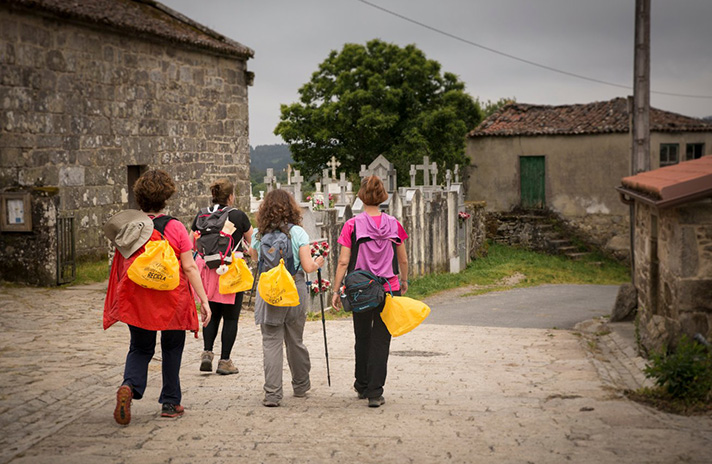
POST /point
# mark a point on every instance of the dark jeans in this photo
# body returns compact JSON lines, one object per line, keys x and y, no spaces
{"x":230,"y":314}
{"x":141,"y":350}
{"x":373,"y":342}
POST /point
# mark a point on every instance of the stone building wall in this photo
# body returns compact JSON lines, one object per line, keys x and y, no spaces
{"x":673,"y":263}
{"x":33,"y":255}
{"x":83,"y":106}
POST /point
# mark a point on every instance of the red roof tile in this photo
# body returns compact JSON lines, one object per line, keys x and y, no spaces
{"x":689,"y":179}
{"x":592,"y":118}
{"x":140,"y":17}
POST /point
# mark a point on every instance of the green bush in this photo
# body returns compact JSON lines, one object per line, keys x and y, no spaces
{"x":686,"y":372}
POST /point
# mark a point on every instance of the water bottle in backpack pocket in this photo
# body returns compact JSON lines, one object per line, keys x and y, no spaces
{"x":214,"y":244}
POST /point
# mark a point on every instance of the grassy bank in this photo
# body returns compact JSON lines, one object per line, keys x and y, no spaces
{"x":507,"y":267}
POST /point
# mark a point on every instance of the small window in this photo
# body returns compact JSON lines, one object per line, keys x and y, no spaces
{"x":133,"y":173}
{"x":694,"y":151}
{"x":669,"y":154}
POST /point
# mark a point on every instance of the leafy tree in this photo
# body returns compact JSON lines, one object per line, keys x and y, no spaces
{"x":491,"y":107}
{"x":379,"y":99}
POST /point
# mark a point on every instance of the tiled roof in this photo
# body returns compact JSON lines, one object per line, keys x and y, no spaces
{"x":672,"y":184}
{"x":145,"y":17}
{"x":591,"y":118}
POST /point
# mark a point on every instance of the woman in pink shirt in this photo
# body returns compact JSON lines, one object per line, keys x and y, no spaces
{"x":379,"y":248}
{"x":225,"y":307}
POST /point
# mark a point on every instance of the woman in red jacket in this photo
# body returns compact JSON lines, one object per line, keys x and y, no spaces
{"x":145,"y":310}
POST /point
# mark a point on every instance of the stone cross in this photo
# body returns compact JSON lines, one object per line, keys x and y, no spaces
{"x":434,"y":171}
{"x":448,"y":179}
{"x":289,"y":174}
{"x":269,"y":178}
{"x":392,"y":181}
{"x":425,"y":167}
{"x":413,"y":172}
{"x":333,"y":164}
{"x":325,"y":180}
{"x":457,"y":173}
{"x":297,"y":179}
{"x":343,"y":183}
{"x":364,"y":172}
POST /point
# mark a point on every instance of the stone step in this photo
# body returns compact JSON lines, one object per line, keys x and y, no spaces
{"x":560,"y":242}
{"x":577,"y":256}
{"x":567,"y":249}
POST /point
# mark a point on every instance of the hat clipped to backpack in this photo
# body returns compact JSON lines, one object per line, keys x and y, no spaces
{"x":129,"y":230}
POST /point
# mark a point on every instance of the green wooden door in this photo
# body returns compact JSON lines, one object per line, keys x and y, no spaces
{"x":532,"y":183}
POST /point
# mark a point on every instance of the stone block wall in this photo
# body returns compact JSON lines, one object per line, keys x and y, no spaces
{"x":673,"y":272}
{"x":80,"y":104}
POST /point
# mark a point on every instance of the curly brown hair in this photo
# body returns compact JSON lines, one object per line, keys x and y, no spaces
{"x":153,"y":189}
{"x":278,"y":209}
{"x":372,"y":191}
{"x":221,"y":190}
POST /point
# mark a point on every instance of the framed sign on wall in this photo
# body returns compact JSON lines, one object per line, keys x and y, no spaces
{"x":16,"y":212}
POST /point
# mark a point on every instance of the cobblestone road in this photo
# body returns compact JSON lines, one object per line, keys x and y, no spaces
{"x":454,"y":394}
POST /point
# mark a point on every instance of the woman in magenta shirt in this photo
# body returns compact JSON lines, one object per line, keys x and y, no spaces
{"x":383,"y":254}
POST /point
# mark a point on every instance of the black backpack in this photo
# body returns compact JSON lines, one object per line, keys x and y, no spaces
{"x":363,"y":290}
{"x":213,"y":244}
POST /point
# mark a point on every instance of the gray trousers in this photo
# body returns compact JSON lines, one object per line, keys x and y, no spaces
{"x":289,"y":334}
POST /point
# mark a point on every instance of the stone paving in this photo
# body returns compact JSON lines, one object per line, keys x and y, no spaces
{"x":454,"y":394}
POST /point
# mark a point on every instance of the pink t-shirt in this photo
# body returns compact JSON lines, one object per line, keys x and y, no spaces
{"x":345,"y":240}
{"x":177,"y":235}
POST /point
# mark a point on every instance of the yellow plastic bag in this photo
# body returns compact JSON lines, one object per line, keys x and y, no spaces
{"x":402,"y":314}
{"x":238,"y":277}
{"x":157,"y":267}
{"x":277,"y":287}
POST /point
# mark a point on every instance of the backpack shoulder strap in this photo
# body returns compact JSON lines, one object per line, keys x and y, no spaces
{"x":160,"y":223}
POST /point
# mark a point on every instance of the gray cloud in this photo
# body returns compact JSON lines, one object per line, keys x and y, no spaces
{"x":590,"y":38}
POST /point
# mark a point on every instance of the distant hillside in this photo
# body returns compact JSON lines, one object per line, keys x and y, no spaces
{"x":270,"y":156}
{"x":708,"y":118}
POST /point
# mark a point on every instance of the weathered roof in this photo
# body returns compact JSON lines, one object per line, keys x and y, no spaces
{"x":671,"y":185}
{"x":146,"y":17}
{"x":611,"y":116}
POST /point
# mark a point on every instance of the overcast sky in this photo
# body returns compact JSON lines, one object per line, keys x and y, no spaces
{"x":589,"y":38}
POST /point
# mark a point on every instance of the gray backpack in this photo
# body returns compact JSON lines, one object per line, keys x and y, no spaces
{"x":213,"y":245}
{"x":276,"y":245}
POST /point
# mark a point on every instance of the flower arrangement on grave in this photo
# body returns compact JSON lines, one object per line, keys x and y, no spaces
{"x":331,"y":200}
{"x":463,"y":216}
{"x":319,"y":286}
{"x":317,"y":204}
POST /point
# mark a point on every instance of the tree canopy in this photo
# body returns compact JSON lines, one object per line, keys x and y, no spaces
{"x":376,"y":99}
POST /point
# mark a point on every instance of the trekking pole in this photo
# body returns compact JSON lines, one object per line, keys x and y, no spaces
{"x":323,"y":325}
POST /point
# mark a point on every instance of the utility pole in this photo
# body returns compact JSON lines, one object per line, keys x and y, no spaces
{"x":640,"y":111}
{"x":641,"y":89}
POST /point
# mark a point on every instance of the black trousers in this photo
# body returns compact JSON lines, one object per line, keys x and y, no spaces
{"x":373,"y":343}
{"x":230,"y":315}
{"x":141,"y":350}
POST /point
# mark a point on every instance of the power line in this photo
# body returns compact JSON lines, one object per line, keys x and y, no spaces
{"x":507,"y":55}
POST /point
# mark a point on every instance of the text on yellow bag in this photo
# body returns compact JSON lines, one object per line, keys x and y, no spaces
{"x":402,"y":314}
{"x":238,"y":277}
{"x":157,"y":267}
{"x":277,"y":286}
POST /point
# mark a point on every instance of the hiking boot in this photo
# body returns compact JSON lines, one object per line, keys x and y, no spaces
{"x":270,"y":403}
{"x":376,"y":402}
{"x":122,"y":413}
{"x":206,"y":361}
{"x":172,"y":410}
{"x":226,"y":367}
{"x":362,"y":395}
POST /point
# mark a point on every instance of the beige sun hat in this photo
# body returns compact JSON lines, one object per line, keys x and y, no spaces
{"x":128,"y":230}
